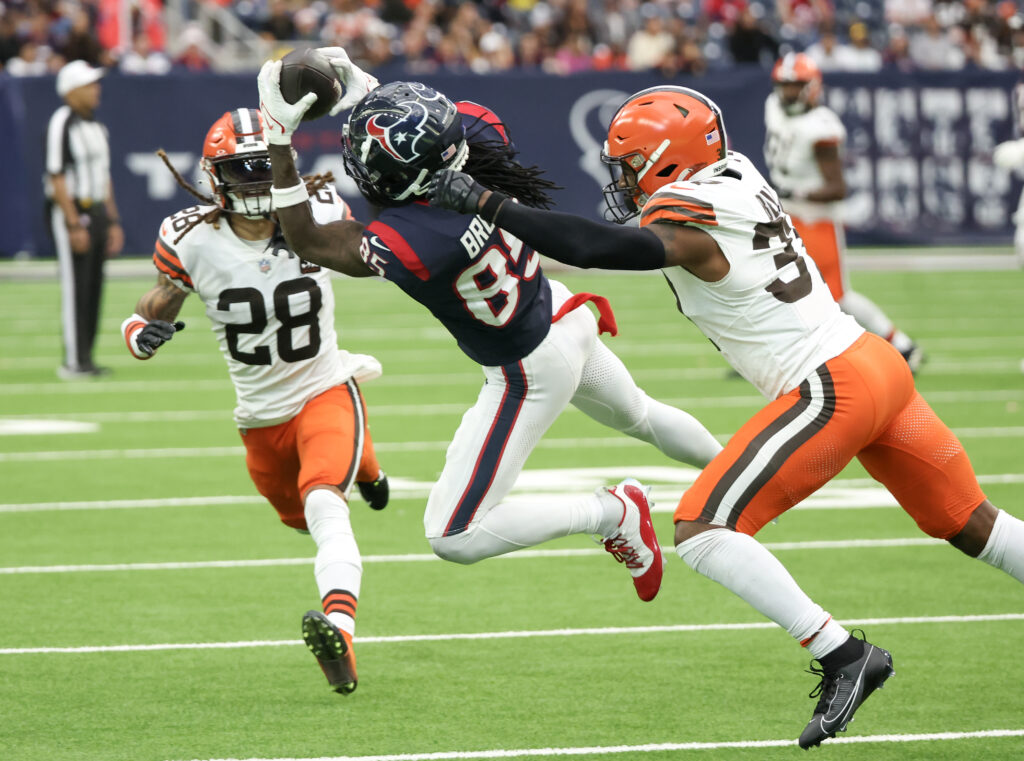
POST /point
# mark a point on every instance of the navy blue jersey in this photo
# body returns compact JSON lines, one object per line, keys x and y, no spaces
{"x":482,"y":283}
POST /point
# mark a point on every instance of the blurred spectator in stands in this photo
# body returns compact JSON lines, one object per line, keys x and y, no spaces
{"x":897,"y":53}
{"x":194,"y":47}
{"x":750,"y":42}
{"x":280,"y":23}
{"x":803,"y":17}
{"x":530,"y":52}
{"x":614,"y":26}
{"x":724,"y":11}
{"x":863,"y":55}
{"x":33,"y":60}
{"x":496,"y":51}
{"x":416,"y":50}
{"x":81,"y":43}
{"x":609,"y":58}
{"x":9,"y":42}
{"x":307,"y":24}
{"x":906,"y":13}
{"x":573,"y":55}
{"x":829,"y":53}
{"x":934,"y":48}
{"x":142,"y":59}
{"x":652,"y":44}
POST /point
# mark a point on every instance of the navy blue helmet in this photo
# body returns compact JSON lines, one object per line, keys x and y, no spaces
{"x":397,"y":137}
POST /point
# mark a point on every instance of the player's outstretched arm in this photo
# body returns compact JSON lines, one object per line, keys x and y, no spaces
{"x":153,"y":323}
{"x":582,"y":242}
{"x":334,"y":245}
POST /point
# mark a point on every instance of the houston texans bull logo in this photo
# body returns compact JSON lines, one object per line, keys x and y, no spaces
{"x":398,"y":133}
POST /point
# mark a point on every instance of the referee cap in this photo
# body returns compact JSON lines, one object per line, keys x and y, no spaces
{"x":76,"y":74}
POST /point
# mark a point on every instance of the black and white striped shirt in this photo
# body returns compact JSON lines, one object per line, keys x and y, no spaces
{"x":78,"y":148}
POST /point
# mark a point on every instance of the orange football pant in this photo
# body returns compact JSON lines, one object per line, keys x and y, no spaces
{"x":824,"y":241}
{"x":327,"y":443}
{"x":860,"y":404}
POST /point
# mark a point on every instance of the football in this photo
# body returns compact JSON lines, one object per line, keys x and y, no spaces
{"x":304,"y":71}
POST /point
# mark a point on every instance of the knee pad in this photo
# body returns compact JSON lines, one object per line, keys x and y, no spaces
{"x":456,"y":548}
{"x":324,"y":507}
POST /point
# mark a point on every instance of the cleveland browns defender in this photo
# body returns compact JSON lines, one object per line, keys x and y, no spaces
{"x":536,"y":342}
{"x":300,"y":412}
{"x":736,"y":267}
{"x":803,"y":147}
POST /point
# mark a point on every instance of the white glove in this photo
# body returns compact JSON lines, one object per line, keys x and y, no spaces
{"x":280,"y":118}
{"x":1009,"y":155}
{"x":356,"y":82}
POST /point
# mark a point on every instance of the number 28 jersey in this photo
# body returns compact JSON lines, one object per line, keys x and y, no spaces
{"x":272,"y":313}
{"x":772,"y":316}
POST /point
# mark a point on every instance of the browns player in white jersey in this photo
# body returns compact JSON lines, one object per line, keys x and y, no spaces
{"x":299,"y":410}
{"x":803,"y":149}
{"x":715,"y":228}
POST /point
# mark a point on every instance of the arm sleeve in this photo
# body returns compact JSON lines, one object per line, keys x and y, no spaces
{"x":581,"y":242}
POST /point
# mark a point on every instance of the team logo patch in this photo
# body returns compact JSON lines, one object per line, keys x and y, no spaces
{"x":399,"y":132}
{"x":712,"y":137}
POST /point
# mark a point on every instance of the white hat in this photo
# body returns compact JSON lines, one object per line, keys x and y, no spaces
{"x":76,"y":74}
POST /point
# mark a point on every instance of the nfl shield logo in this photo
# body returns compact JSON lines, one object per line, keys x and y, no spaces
{"x":264,"y":265}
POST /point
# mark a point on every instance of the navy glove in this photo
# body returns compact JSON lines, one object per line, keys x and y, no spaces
{"x":155,"y":334}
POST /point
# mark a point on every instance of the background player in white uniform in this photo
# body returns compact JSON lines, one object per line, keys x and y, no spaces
{"x":537,"y":345}
{"x":803,"y":149}
{"x":739,"y":272}
{"x":1010,"y":156}
{"x":300,"y":412}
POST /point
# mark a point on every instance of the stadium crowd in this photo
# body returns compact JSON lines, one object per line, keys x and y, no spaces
{"x":552,"y":36}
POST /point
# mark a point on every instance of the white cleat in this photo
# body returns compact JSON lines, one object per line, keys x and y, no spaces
{"x":634,"y":542}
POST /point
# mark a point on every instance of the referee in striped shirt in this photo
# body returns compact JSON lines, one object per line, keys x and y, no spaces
{"x":81,"y":212}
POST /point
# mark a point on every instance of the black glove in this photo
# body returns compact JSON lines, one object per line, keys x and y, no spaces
{"x":456,"y":191}
{"x":155,"y":334}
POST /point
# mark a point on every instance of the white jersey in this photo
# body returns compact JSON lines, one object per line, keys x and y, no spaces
{"x":772,"y":316}
{"x":272,"y":313}
{"x":789,"y":153}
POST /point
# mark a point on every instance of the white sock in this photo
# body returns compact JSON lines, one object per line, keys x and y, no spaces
{"x":338,"y":567}
{"x":1005,"y":547}
{"x":872,"y":318}
{"x":742,"y":565}
{"x":677,"y":434}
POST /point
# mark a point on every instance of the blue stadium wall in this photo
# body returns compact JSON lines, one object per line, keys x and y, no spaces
{"x":918,"y":162}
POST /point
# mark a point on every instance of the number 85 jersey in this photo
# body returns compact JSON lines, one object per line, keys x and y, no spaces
{"x":272,"y":313}
{"x":772,"y":316}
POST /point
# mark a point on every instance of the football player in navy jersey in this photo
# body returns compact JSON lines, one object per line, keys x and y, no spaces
{"x":538,"y":348}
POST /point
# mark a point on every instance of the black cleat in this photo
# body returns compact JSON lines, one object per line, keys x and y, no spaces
{"x":376,"y":492}
{"x":841,"y":693}
{"x":914,"y":357}
{"x":332,"y":652}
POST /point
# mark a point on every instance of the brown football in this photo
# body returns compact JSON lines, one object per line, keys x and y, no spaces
{"x":304,"y":71}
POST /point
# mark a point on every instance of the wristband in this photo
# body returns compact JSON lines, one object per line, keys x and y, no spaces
{"x":492,"y":205}
{"x":130,"y":330}
{"x":289,"y":196}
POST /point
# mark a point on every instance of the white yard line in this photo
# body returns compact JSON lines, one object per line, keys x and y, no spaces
{"x":607,"y":750}
{"x":850,"y":493}
{"x":523,"y":634}
{"x":429,"y":558}
{"x":590,"y":442}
